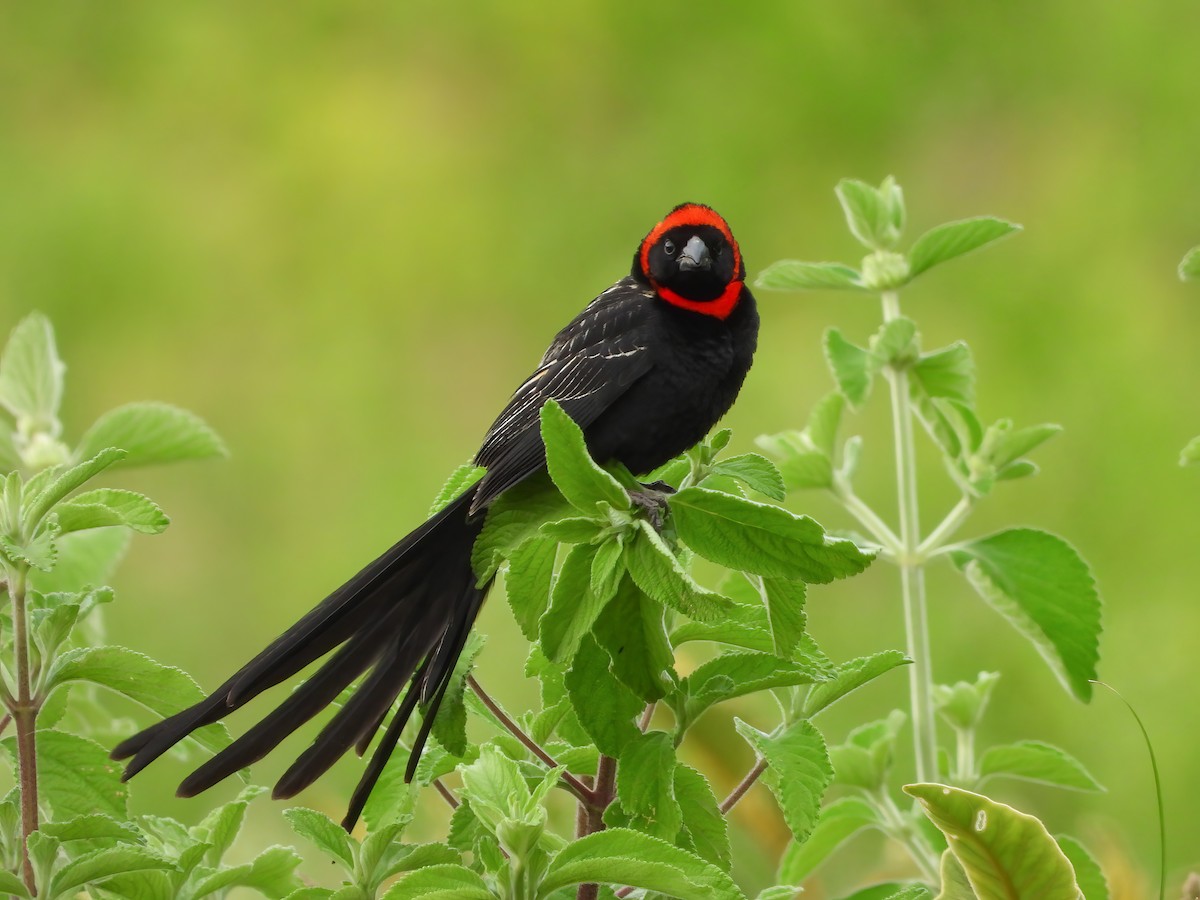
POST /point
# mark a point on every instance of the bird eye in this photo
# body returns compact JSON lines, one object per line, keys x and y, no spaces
{"x":669,"y":248}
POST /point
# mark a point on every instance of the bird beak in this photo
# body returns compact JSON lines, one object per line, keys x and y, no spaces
{"x":695,"y":255}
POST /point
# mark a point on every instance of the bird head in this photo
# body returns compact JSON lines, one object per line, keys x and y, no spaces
{"x":691,"y":260}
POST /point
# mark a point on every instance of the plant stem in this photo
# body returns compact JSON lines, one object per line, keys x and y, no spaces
{"x":912,"y":572}
{"x":902,"y":829}
{"x":744,"y":785}
{"x":24,"y":713}
{"x":446,"y":793}
{"x":945,"y":529}
{"x":867,"y":517}
{"x":573,"y":784}
{"x":604,"y":792}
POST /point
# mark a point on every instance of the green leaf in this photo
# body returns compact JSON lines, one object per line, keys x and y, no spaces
{"x":620,"y":856}
{"x":766,"y":540}
{"x":444,"y":882}
{"x":1088,"y":874}
{"x":1036,"y":761}
{"x":41,"y":551}
{"x":91,"y":828}
{"x":31,"y":374}
{"x":875,"y":215}
{"x":1003,"y":445}
{"x":450,"y":724}
{"x":272,"y":873}
{"x":38,"y":506}
{"x":646,"y":785}
{"x":513,"y":518}
{"x":656,"y":571}
{"x":850,"y":676}
{"x":1041,"y":585}
{"x":1189,"y":269}
{"x":756,"y":472}
{"x":794,"y":275}
{"x":13,"y":885}
{"x":865,"y":758}
{"x":527,"y":582}
{"x":152,"y":433}
{"x":736,"y":674}
{"x":895,"y":343}
{"x":632,"y":632}
{"x":1191,"y":453}
{"x":108,"y":506}
{"x":853,"y":367}
{"x":605,"y":707}
{"x":1005,"y":853}
{"x":798,"y":772}
{"x":955,"y":885}
{"x":948,"y":373}
{"x":705,"y":828}
{"x":221,"y":826}
{"x":785,"y":612}
{"x":85,"y":559}
{"x":953,"y":239}
{"x":75,"y":776}
{"x":329,"y":837}
{"x":963,"y":703}
{"x":574,"y":606}
{"x":460,"y":480}
{"x":163,"y":690}
{"x":495,"y":787}
{"x":584,"y":483}
{"x":608,"y":566}
{"x":839,"y":822}
{"x":102,"y":864}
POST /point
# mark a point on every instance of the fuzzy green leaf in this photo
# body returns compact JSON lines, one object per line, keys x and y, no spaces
{"x":945,"y":242}
{"x":527,"y":582}
{"x":875,"y":216}
{"x":798,"y":773}
{"x":108,"y":506}
{"x":75,"y":776}
{"x":444,"y":882}
{"x":163,"y":690}
{"x":1041,"y":585}
{"x":516,"y":516}
{"x":222,"y":825}
{"x":1005,"y":853}
{"x":785,"y":613}
{"x":271,"y":873}
{"x":948,"y":373}
{"x":736,"y":674}
{"x":1088,"y":874}
{"x":963,"y":703}
{"x":151,"y":433}
{"x":839,"y":822}
{"x":705,"y":829}
{"x":853,"y":367}
{"x":657,"y":572}
{"x":12,"y":885}
{"x":1036,"y":761}
{"x":632,"y":631}
{"x":794,"y":275}
{"x":329,"y":837}
{"x":766,"y":540}
{"x":756,"y":472}
{"x":574,"y":606}
{"x":584,"y":483}
{"x":85,"y":559}
{"x":460,"y":480}
{"x":646,"y":785}
{"x":100,"y":865}
{"x":64,"y":483}
{"x":850,"y":676}
{"x":620,"y":856}
{"x":31,"y":373}
{"x":450,"y":724}
{"x":605,"y":707}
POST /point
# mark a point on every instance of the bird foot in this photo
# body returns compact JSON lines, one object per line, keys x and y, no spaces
{"x":652,"y":501}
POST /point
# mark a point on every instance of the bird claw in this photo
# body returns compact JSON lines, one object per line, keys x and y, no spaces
{"x":652,"y":501}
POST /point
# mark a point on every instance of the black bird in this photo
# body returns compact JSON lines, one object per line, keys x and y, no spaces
{"x":645,"y":370}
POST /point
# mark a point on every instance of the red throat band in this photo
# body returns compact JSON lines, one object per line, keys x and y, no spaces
{"x":695,"y":214}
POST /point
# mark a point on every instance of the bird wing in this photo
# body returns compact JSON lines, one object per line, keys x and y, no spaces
{"x":589,"y":365}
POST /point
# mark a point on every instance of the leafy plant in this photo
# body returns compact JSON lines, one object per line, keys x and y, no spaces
{"x":1035,"y":580}
{"x":1189,"y":270}
{"x":65,"y":827}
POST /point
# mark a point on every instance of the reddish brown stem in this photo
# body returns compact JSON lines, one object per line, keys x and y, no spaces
{"x":604,"y":792}
{"x":744,"y":785}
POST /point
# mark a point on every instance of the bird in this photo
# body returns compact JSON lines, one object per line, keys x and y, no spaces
{"x":645,"y":371}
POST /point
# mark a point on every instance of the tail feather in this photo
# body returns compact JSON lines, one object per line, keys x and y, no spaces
{"x":404,"y":618}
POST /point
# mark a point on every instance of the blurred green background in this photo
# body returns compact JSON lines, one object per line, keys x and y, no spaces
{"x":343,"y":231}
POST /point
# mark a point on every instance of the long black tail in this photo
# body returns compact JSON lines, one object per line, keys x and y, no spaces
{"x":404,"y":619}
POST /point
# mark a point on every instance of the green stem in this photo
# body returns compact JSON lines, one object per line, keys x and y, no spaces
{"x":945,"y":529}
{"x":867,"y":517}
{"x":912,"y":572}
{"x":965,"y":758}
{"x":24,"y":714}
{"x":903,"y":829}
